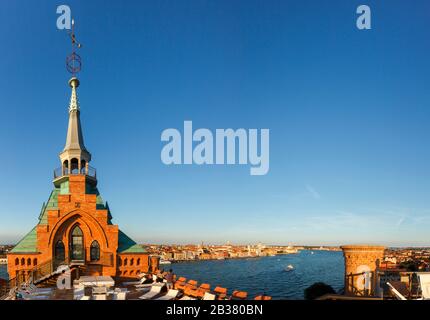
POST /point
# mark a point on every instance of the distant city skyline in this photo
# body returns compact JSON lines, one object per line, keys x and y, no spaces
{"x":347,"y":111}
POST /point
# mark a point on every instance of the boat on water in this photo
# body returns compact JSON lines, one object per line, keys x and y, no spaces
{"x":290,"y":267}
{"x":165,"y":262}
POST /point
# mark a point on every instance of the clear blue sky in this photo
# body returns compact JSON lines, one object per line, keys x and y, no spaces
{"x":348,"y":113}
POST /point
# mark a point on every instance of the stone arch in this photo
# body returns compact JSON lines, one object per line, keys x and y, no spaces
{"x":83,"y":167}
{"x":88,"y":221}
{"x":66,"y":167}
{"x":74,"y":166}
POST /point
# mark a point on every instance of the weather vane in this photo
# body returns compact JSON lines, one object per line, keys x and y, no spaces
{"x":73,"y":60}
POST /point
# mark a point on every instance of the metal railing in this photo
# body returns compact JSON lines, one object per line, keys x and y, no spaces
{"x":368,"y":284}
{"x":375,"y":283}
{"x":89,"y":171}
{"x":409,"y":278}
{"x":47,"y":268}
{"x":7,"y":287}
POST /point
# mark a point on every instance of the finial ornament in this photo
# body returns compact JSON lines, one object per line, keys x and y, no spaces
{"x":73,"y":60}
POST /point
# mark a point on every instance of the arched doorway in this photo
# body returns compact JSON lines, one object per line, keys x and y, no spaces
{"x":77,"y":252}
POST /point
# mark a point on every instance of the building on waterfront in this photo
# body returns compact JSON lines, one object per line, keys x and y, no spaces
{"x":75,"y":225}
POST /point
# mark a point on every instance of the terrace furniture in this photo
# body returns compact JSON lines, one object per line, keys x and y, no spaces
{"x":171,"y":295}
{"x":99,"y":290}
{"x":200,"y":291}
{"x":33,"y":288}
{"x":189,"y":287}
{"x":239,"y":295}
{"x":96,"y":281}
{"x":221,"y":293}
{"x":180,"y":283}
{"x":153,"y":292}
{"x":187,"y":298}
{"x":120,"y":295}
{"x":26,"y":296}
{"x":209,"y":296}
{"x":142,"y":280}
{"x":78,"y":293}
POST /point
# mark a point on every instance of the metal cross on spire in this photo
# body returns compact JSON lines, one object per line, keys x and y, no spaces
{"x":73,"y":60}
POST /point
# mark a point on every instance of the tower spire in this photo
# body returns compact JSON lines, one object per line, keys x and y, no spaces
{"x":74,"y":157}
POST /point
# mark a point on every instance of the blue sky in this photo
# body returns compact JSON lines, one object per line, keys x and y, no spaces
{"x":347,"y":110}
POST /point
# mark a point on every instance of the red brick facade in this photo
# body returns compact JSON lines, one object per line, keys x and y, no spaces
{"x":78,"y":208}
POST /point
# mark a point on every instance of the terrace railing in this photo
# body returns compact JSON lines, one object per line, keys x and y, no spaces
{"x":89,"y":171}
{"x":6,"y":286}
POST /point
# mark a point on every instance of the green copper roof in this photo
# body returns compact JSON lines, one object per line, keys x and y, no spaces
{"x":127,"y":245}
{"x":28,"y":244}
{"x":52,"y":204}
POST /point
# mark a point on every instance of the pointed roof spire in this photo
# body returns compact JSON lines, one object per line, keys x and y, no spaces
{"x":75,"y":139}
{"x":74,"y":147}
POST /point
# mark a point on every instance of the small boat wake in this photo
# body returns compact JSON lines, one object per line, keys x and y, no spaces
{"x":290,"y":267}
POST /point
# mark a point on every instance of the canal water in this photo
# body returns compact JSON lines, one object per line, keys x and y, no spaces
{"x":267,"y":274}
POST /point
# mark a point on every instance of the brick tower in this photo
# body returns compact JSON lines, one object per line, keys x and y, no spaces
{"x":361,"y":262}
{"x":75,"y":225}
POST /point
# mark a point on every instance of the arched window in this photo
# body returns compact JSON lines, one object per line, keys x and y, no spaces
{"x":59,"y":254}
{"x":16,"y":261}
{"x":35,"y":262}
{"x":83,"y":167}
{"x":22,"y":261}
{"x":28,"y":262}
{"x":120,"y":262}
{"x":125,"y":261}
{"x":131,"y":261}
{"x":138,"y":262}
{"x":95,"y":251}
{"x":77,"y":244}
{"x":74,"y":166}
{"x":66,"y":167}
